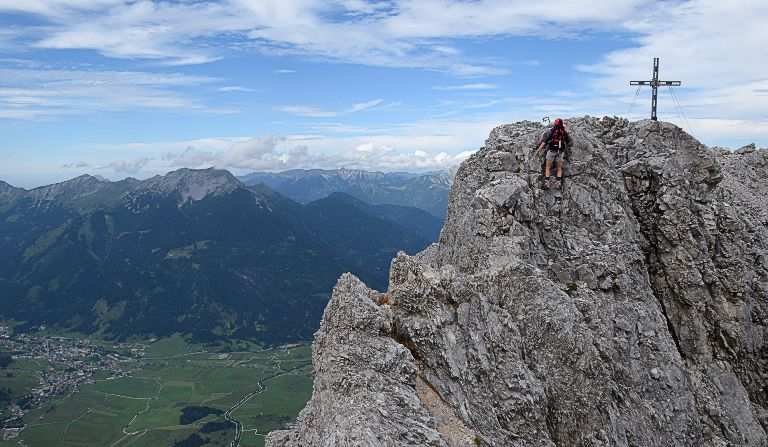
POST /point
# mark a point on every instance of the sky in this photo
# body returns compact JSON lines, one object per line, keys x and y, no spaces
{"x":138,"y":88}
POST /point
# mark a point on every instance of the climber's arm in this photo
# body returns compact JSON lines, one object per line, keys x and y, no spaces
{"x":542,"y":143}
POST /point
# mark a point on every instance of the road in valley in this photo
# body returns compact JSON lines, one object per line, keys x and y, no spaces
{"x":262,"y":387}
{"x":238,"y":424}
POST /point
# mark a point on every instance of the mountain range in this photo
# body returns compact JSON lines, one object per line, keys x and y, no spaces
{"x":428,"y":191}
{"x":194,"y":251}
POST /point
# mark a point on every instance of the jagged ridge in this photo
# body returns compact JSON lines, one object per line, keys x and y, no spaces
{"x":628,"y":310}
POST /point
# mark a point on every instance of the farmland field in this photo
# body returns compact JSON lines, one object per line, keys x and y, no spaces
{"x":144,"y":409}
{"x":20,"y":378}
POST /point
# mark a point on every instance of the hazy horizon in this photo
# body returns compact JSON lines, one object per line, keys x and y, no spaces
{"x":117,"y":177}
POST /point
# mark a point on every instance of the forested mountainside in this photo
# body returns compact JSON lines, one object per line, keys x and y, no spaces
{"x":194,"y":251}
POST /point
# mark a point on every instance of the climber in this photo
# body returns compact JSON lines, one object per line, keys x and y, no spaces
{"x":556,"y":140}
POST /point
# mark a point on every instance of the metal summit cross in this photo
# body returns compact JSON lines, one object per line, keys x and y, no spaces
{"x":655,"y":83}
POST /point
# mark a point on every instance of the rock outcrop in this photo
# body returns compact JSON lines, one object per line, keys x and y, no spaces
{"x":190,"y":184}
{"x":628,"y":309}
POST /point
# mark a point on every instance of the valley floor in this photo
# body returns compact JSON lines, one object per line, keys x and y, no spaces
{"x":248,"y":392}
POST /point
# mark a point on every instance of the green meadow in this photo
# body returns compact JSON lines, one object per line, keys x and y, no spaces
{"x":20,"y":378}
{"x":143,"y":409}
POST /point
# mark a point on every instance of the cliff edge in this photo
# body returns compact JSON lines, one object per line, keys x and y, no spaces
{"x":628,"y":309}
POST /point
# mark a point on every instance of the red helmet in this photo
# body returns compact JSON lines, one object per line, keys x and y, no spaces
{"x":558,"y":122}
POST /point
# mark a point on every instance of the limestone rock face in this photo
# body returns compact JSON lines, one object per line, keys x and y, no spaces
{"x":190,"y":184}
{"x":629,"y":308}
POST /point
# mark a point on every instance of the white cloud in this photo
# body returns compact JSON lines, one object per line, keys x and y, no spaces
{"x":29,"y":93}
{"x":375,"y":157}
{"x":235,"y":88}
{"x":55,"y":8}
{"x":264,"y":152}
{"x":192,"y":158}
{"x":363,"y":7}
{"x":128,"y":166}
{"x":427,"y":144}
{"x":168,"y":147}
{"x":364,"y":105}
{"x":191,"y":59}
{"x":423,"y":145}
{"x":477,"y":86}
{"x":732,"y":133}
{"x":163,"y":31}
{"x":285,"y":71}
{"x":398,"y":33}
{"x":268,"y":153}
{"x":253,"y":148}
{"x":131,"y":167}
{"x":78,"y":165}
{"x":309,"y":111}
{"x":369,"y":147}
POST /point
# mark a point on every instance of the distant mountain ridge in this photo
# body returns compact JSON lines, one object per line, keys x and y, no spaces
{"x":427,"y":191}
{"x":194,"y":251}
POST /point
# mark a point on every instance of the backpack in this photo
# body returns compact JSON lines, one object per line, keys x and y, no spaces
{"x":557,"y":139}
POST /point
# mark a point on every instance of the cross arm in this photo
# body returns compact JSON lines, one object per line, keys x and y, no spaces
{"x":670,"y":83}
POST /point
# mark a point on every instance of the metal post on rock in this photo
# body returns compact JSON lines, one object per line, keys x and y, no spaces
{"x":655,"y":83}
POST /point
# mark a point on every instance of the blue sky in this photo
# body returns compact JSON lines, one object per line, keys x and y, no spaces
{"x":138,"y":88}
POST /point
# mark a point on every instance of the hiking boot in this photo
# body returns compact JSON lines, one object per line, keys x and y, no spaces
{"x":558,"y":182}
{"x":546,"y":183}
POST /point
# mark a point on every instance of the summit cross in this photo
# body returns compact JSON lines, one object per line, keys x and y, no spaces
{"x":655,"y":83}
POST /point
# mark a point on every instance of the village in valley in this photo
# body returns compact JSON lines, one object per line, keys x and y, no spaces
{"x":70,"y":364}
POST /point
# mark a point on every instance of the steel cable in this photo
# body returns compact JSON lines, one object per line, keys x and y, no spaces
{"x":631,"y":106}
{"x":681,"y":111}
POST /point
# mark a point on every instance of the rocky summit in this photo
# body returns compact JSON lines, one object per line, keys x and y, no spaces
{"x":629,"y":308}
